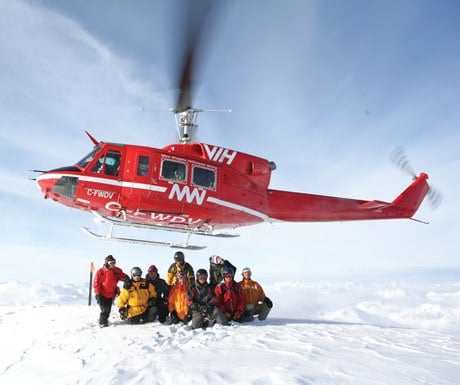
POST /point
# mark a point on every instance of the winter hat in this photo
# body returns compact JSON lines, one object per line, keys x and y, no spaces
{"x":153,"y":268}
{"x":109,"y":258}
{"x":214,"y":259}
{"x":246,"y":269}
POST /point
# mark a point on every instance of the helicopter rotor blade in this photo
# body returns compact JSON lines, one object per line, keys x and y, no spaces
{"x":195,"y":15}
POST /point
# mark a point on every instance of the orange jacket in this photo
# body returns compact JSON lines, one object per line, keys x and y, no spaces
{"x":253,"y":292}
{"x":176,"y":300}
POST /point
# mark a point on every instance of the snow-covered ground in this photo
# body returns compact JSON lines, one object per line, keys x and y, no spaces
{"x":326,"y":332}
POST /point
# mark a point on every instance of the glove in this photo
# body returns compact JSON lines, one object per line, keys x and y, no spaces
{"x":123,"y":313}
{"x":269,"y":302}
{"x":127,"y":283}
{"x":98,"y":299}
{"x":237,"y":316}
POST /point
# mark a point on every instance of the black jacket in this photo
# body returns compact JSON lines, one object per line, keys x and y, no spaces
{"x":161,"y":287}
{"x":216,"y":271}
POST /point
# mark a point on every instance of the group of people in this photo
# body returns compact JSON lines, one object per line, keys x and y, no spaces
{"x":183,"y":296}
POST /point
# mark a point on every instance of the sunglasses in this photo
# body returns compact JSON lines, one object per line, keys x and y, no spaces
{"x":136,"y":275}
{"x":228,"y":276}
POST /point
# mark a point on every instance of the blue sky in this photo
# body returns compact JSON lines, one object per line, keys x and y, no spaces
{"x":326,"y":89}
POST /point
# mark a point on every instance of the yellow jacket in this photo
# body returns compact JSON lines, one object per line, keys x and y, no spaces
{"x":253,"y":292}
{"x":176,"y":300}
{"x":171,"y":275}
{"x":137,"y":297}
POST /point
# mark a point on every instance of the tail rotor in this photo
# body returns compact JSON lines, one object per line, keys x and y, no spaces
{"x":399,"y":158}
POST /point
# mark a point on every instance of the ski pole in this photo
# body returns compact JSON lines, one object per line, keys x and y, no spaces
{"x":91,"y":270}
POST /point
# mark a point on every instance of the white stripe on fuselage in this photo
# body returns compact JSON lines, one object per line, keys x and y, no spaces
{"x":150,"y":187}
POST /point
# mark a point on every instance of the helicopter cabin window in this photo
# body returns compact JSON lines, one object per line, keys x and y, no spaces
{"x":174,"y":171}
{"x":143,"y":165}
{"x":204,"y":177}
{"x":108,"y":164}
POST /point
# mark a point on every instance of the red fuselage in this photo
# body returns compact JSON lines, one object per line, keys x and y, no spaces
{"x":201,"y":187}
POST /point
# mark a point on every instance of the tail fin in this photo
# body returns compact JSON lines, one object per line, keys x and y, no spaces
{"x":412,"y":197}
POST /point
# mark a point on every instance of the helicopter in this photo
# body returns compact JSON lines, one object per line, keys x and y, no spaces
{"x":198,"y":188}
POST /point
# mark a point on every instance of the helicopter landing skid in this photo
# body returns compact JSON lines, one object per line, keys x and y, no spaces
{"x":110,"y":237}
{"x":206,"y":233}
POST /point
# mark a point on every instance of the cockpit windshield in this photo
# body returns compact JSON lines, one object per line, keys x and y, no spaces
{"x":88,"y":158}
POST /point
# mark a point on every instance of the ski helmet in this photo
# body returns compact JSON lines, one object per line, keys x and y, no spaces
{"x":201,"y":272}
{"x":179,"y":256}
{"x":153,"y":268}
{"x":227,"y":270}
{"x":136,"y":271}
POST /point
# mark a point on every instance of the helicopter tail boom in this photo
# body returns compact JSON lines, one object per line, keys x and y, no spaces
{"x":298,"y":207}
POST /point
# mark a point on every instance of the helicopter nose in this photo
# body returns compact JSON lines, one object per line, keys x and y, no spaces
{"x":56,"y":184}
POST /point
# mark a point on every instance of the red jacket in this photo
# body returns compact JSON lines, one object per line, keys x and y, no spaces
{"x":105,"y":281}
{"x":230,"y":297}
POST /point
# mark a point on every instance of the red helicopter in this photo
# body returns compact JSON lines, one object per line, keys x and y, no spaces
{"x":198,"y":188}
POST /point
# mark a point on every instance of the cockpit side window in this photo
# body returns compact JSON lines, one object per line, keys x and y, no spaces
{"x":112,"y":163}
{"x":174,"y":171}
{"x":108,"y":164}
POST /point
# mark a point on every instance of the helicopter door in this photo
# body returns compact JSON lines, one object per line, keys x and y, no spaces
{"x":142,"y":174}
{"x":103,"y":186}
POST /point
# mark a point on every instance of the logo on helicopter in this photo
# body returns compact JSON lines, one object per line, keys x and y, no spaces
{"x":194,"y":194}
{"x":219,"y":154}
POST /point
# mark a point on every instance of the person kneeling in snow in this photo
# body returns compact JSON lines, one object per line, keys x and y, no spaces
{"x":230,"y":297}
{"x":137,"y":303}
{"x":201,"y":301}
{"x":177,"y":307}
{"x":257,"y":303}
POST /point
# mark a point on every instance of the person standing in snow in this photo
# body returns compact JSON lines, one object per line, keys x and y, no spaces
{"x":162,"y":290}
{"x":179,"y":265}
{"x":230,"y":297}
{"x":256,"y":302}
{"x":138,"y":303}
{"x":216,"y":267}
{"x":177,"y":306}
{"x":105,"y":287}
{"x":201,"y":300}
